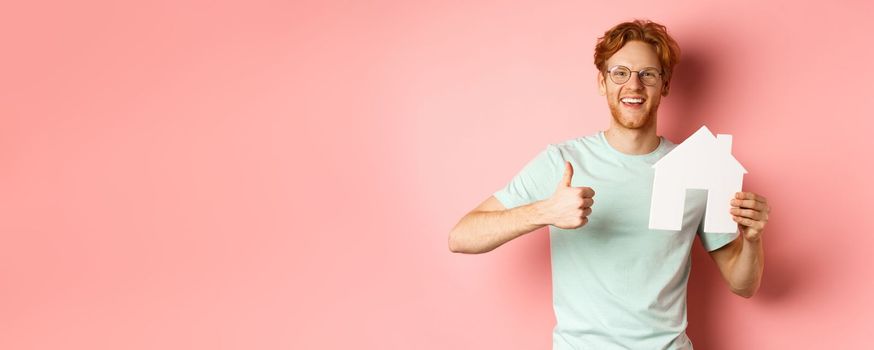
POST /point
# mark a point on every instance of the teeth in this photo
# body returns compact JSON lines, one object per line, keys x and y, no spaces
{"x":632,"y":100}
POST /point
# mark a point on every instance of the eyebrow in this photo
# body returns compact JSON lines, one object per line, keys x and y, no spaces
{"x":647,"y":67}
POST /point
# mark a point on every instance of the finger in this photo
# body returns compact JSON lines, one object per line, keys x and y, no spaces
{"x":749,"y":223}
{"x":568,"y":175}
{"x":751,"y":196}
{"x":747,"y":213}
{"x":743,"y":221}
{"x":587,"y":202}
{"x":587,"y":212}
{"x":747,"y":203}
{"x":587,"y":192}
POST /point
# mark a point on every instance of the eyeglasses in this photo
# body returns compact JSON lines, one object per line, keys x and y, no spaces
{"x":621,"y":74}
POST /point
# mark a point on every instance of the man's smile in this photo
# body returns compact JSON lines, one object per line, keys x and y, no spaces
{"x":632,"y":102}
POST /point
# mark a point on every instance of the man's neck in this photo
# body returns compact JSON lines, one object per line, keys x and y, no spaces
{"x":632,"y":141}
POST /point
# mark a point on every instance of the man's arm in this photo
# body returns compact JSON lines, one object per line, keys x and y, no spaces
{"x":490,"y":224}
{"x":742,"y":261}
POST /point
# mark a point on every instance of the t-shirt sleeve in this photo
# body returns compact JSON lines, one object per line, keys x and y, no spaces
{"x":536,"y":181}
{"x":714,"y":241}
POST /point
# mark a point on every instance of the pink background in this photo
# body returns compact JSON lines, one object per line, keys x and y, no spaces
{"x":266,"y":175}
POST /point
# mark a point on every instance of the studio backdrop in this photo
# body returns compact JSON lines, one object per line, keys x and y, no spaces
{"x":284,"y":174}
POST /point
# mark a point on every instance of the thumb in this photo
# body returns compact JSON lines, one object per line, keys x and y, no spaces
{"x":568,"y":175}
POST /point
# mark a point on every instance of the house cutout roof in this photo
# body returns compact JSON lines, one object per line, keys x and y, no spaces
{"x":702,"y":149}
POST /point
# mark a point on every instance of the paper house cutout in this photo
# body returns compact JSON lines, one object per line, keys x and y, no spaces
{"x":701,"y":162}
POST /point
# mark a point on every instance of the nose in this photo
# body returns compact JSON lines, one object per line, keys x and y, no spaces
{"x":634,"y":81}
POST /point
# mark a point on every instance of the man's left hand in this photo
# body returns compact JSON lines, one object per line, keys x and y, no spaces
{"x":750,"y":212}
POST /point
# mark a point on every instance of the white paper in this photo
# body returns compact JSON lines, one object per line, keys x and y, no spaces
{"x":701,"y":162}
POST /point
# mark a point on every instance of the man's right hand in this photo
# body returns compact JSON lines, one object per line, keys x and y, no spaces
{"x":490,"y":224}
{"x":569,"y":207}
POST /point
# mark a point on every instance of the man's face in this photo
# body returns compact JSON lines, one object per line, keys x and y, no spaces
{"x":636,"y":55}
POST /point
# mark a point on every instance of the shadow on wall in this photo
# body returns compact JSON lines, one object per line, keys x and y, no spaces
{"x":691,"y":89}
{"x":708,"y":293}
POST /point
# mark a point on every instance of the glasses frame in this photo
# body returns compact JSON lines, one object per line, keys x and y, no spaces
{"x":610,"y":70}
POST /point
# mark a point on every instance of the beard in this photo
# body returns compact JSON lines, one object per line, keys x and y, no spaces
{"x":643,"y":119}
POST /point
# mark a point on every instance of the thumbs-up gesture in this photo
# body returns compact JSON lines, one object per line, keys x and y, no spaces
{"x":569,"y":207}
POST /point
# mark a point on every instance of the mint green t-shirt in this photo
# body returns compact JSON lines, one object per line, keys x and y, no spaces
{"x":616,"y":283}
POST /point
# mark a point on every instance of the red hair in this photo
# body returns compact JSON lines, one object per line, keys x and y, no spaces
{"x":646,"y":31}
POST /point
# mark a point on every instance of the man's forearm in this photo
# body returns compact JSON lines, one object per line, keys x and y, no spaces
{"x":746,"y":274}
{"x":483,"y":231}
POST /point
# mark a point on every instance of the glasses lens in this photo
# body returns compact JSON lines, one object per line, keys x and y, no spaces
{"x":649,"y":76}
{"x":619,"y":74}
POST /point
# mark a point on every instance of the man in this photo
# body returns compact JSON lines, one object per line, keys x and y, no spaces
{"x":616,"y":283}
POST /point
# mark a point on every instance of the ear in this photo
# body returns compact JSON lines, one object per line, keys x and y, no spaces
{"x":666,"y":89}
{"x":602,"y":84}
